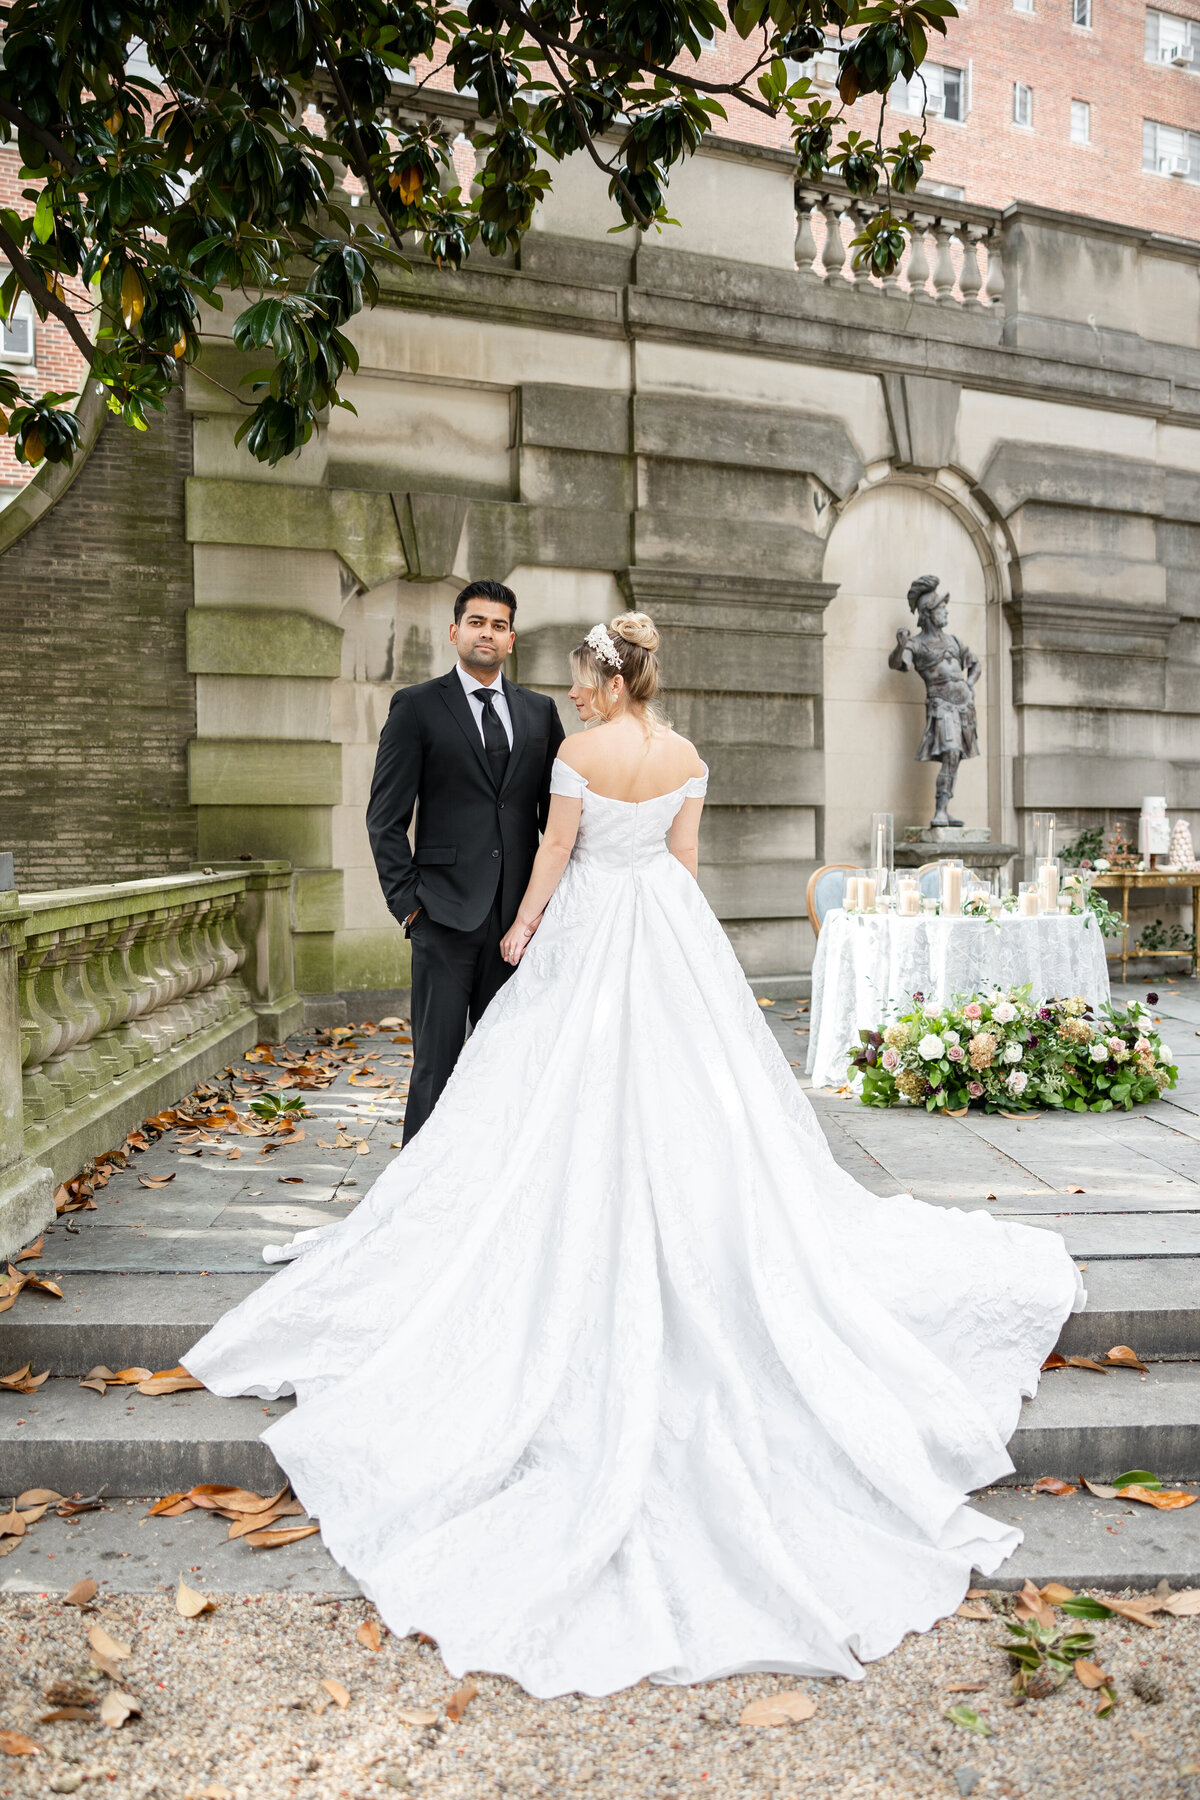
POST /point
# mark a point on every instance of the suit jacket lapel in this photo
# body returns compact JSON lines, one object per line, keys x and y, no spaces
{"x":520,"y":728}
{"x":456,"y":700}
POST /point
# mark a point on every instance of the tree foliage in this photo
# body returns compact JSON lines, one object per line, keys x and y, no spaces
{"x":174,"y":160}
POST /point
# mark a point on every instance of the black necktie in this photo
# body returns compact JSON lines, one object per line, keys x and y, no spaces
{"x":495,"y":738}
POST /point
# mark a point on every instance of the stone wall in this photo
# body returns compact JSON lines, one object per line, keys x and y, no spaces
{"x":96,"y":703}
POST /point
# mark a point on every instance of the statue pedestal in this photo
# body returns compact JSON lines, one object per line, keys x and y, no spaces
{"x":919,"y":844}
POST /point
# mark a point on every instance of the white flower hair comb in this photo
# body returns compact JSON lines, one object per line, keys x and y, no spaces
{"x":601,"y":645}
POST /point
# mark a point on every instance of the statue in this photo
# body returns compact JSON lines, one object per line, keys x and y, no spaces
{"x":950,"y":672}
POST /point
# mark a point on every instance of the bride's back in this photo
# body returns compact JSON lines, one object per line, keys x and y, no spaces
{"x":622,"y":761}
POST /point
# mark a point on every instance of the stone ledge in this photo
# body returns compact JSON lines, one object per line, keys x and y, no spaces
{"x":235,"y":640}
{"x":264,"y":772}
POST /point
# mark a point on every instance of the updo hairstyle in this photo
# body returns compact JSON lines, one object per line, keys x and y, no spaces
{"x":636,"y":638}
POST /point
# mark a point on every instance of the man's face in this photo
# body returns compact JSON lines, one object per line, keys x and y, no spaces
{"x":939,"y":612}
{"x":483,"y":637}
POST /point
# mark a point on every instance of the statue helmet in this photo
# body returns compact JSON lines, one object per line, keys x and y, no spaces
{"x":923,"y":586}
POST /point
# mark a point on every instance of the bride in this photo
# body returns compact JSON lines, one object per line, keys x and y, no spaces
{"x":614,"y":1372}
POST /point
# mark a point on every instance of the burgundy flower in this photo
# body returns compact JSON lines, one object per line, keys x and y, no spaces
{"x":1152,"y":999}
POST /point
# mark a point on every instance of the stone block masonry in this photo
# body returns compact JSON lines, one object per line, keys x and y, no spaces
{"x":96,"y":704}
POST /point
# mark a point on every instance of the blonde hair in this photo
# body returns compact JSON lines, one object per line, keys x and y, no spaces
{"x":636,"y":640}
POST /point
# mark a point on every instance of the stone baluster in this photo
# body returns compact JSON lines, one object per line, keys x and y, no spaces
{"x":970,"y":278}
{"x":136,"y":990}
{"x":918,"y":262}
{"x":203,"y":1005}
{"x":944,"y":234}
{"x":146,"y":958}
{"x":833,"y":255}
{"x":42,"y":1032}
{"x":26,"y":1186}
{"x":993,"y":287}
{"x":116,"y":1056}
{"x":58,"y":987}
{"x":891,"y":283}
{"x":806,"y":244}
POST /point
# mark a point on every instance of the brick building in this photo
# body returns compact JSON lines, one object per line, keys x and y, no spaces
{"x":1086,"y":106}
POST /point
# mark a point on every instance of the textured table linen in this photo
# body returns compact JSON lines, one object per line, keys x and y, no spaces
{"x":869,"y":965}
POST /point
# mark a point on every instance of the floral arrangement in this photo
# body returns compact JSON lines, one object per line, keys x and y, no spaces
{"x":1005,"y":1052}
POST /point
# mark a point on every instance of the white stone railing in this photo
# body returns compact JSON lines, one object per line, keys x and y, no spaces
{"x":955,"y":255}
{"x":115,"y":1000}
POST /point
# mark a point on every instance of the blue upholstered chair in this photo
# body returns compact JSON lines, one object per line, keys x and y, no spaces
{"x":929,"y":881}
{"x":825,"y":888}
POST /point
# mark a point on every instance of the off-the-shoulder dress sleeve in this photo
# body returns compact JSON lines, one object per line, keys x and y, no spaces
{"x":697,"y":787}
{"x":567,"y":781}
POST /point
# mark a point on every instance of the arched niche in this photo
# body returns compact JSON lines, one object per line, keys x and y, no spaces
{"x":887,"y":533}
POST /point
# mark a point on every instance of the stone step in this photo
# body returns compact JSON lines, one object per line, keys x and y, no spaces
{"x":1100,"y":1425}
{"x":67,"y":1438}
{"x":1152,"y":1303}
{"x":121,"y":1321}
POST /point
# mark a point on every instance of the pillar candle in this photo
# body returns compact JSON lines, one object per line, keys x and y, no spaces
{"x":952,"y":886}
{"x":1047,"y":876}
{"x":850,"y":893}
{"x":1029,"y":903}
{"x":866,"y":893}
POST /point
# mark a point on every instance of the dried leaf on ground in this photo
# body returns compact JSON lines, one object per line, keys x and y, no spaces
{"x":415,"y":1715}
{"x":1101,"y":1489}
{"x":1165,"y":1499}
{"x":213,"y":1496}
{"x":34,"y":1513}
{"x":116,"y":1707}
{"x":1054,"y":1361}
{"x":965,"y":1687}
{"x":1185,"y":1604}
{"x":1056,"y":1593}
{"x":106,"y":1645}
{"x":362,"y":1147}
{"x":167,"y":1505}
{"x":8,"y":1292}
{"x":273,"y":1540}
{"x":129,"y":1377}
{"x":38,"y":1497}
{"x":1086,"y":1362}
{"x":155,"y":1181}
{"x":190,"y":1603}
{"x":40,"y":1285}
{"x":23,"y":1381}
{"x":1089,"y":1673}
{"x":968,"y":1720}
{"x":169,"y":1384}
{"x":63,"y":1714}
{"x":973,"y":1609}
{"x":12,"y":1524}
{"x":244,"y":1523}
{"x":1125,"y":1358}
{"x":337,"y":1693}
{"x":81,"y":1593}
{"x":81,"y":1503}
{"x":368,"y":1634}
{"x":460,"y":1699}
{"x":1031,"y":1605}
{"x":787,"y":1708}
{"x":1052,"y":1484}
{"x":33,"y":1250}
{"x":1074,"y":1190}
{"x":15,"y":1743}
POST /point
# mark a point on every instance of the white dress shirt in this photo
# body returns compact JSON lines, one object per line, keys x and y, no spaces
{"x":472,"y":689}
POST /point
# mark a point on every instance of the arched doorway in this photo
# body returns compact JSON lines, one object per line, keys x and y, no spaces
{"x":887,"y":534}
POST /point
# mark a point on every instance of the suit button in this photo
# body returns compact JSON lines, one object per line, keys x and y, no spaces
{"x":495,"y":853}
{"x":502,"y":806}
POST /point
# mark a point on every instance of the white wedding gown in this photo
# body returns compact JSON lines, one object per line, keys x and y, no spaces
{"x":614,"y":1373}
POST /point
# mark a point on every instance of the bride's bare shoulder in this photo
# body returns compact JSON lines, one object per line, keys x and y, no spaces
{"x":686,"y":754}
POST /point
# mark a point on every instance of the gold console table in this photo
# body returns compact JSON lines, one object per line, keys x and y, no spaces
{"x":1131,"y":880}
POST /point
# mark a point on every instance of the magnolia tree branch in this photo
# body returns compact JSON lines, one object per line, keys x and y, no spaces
{"x":40,"y":135}
{"x":348,"y":108}
{"x":43,"y":296}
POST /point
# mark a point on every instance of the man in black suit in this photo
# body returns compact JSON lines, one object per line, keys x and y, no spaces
{"x":474,"y":753}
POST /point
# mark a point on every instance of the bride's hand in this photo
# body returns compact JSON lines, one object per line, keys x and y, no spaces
{"x":515,"y":941}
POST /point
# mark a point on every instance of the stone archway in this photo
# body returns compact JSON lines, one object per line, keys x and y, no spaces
{"x":887,"y":532}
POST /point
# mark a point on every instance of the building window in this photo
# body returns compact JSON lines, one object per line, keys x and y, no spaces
{"x":1081,"y":14}
{"x":1022,"y":104}
{"x":938,"y":91}
{"x":1173,"y":41}
{"x":821,"y":69}
{"x":1169,"y":150}
{"x":17,"y":338}
{"x":1081,"y":122}
{"x":1023,"y":6}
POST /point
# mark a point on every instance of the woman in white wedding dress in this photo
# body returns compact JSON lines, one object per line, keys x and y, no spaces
{"x":614,"y":1372}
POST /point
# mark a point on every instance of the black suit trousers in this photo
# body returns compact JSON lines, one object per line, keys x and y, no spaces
{"x":455,"y":974}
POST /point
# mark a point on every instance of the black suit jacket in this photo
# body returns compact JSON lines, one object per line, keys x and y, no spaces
{"x":472,"y":838}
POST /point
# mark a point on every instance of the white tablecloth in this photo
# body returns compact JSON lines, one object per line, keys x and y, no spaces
{"x":868,"y":965}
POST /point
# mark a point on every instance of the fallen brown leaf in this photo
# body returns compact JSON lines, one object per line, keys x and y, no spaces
{"x":165,"y":1504}
{"x":1030,"y":1605}
{"x":1056,"y":1593}
{"x":65,"y":1713}
{"x":1089,"y":1673}
{"x":116,"y":1707}
{"x":460,"y":1699}
{"x":81,"y":1503}
{"x":169,"y":1384}
{"x":38,"y":1497}
{"x":272,"y":1540}
{"x":1054,"y":1361}
{"x":966,"y":1687}
{"x":779,"y":1709}
{"x":1132,"y":1609}
{"x":81,"y":1593}
{"x":415,"y":1715}
{"x":155,"y":1181}
{"x":1165,"y":1499}
{"x":337,"y":1693}
{"x":1051,"y":1484}
{"x":1074,"y":1190}
{"x":1125,"y":1358}
{"x":242,"y":1524}
{"x":972,"y":1609}
{"x":15,"y":1743}
{"x":12,"y":1524}
{"x":34,"y":1513}
{"x":190,"y":1603}
{"x":40,"y":1285}
{"x":1101,"y":1489}
{"x":105,"y":1645}
{"x":368,"y":1634}
{"x":1185,"y":1604}
{"x":33,"y":1250}
{"x":362,"y":1147}
{"x":1086,"y":1362}
{"x":129,"y":1377}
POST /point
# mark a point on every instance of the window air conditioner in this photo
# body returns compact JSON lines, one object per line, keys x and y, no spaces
{"x":1174,"y":165}
{"x":825,"y":68}
{"x":16,"y":339}
{"x":1178,"y":55}
{"x":935,"y":105}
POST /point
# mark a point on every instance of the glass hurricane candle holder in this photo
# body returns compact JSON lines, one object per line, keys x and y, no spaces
{"x":1043,"y":837}
{"x":850,"y":893}
{"x":882,"y":852}
{"x":1047,"y":877}
{"x":908,"y":896}
{"x":1029,"y":900}
{"x":950,"y":870}
{"x":866,"y":890}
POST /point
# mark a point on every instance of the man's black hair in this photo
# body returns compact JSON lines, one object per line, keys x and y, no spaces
{"x":486,"y":590}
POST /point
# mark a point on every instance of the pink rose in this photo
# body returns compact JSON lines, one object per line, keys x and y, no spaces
{"x":955,"y":1053}
{"x":974,"y":1011}
{"x":1142,"y":1045}
{"x":890,"y":1059}
{"x":975,"y":1089}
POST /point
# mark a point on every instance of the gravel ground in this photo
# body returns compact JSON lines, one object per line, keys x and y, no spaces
{"x":233,"y":1709}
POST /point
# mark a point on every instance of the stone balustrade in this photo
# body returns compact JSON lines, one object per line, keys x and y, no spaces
{"x":116,"y":1000}
{"x":954,"y":257}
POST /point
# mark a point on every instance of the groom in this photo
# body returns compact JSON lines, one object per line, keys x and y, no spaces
{"x":474,"y":753}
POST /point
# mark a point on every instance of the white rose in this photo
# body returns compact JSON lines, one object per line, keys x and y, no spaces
{"x":951,"y":1037}
{"x":931,"y":1009}
{"x":1101,"y":863}
{"x":1099,"y":1052}
{"x":1005,"y":1013}
{"x":930,"y":1047}
{"x":995,"y":997}
{"x":1017,"y":1081}
{"x":1013,"y":1052}
{"x":1164,"y":1054}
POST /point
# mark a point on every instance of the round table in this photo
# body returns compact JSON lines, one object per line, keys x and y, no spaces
{"x":868,"y":966}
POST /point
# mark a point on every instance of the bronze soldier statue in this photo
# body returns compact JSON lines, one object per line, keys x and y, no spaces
{"x":950,"y":672}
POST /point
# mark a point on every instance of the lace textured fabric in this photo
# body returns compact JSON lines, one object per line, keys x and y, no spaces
{"x":614,"y":1373}
{"x":869,"y":965}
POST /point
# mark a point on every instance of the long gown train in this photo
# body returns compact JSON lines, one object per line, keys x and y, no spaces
{"x":614,"y":1372}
